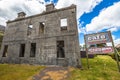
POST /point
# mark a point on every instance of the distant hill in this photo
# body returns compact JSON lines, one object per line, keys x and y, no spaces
{"x":2,"y":28}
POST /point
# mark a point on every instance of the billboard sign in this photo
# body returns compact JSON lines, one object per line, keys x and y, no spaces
{"x":97,"y":38}
{"x":100,"y":50}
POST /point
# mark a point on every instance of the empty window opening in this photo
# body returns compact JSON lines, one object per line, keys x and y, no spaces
{"x":22,"y":50}
{"x":33,"y":50}
{"x":41,"y":27}
{"x":5,"y":51}
{"x":63,"y":24}
{"x":1,"y":38}
{"x":60,"y":49}
{"x":30,"y":27}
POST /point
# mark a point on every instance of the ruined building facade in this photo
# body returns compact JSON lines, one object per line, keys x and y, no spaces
{"x":49,"y":38}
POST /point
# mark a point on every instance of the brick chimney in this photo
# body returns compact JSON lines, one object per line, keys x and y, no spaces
{"x":50,"y":7}
{"x":21,"y":15}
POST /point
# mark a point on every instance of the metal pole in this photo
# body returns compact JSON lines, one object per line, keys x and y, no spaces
{"x":116,"y":56}
{"x":86,"y":52}
{"x":87,"y":58}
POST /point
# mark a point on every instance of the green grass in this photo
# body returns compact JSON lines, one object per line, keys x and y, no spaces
{"x":18,"y":72}
{"x":101,"y":68}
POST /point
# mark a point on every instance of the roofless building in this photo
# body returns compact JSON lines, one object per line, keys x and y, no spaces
{"x":49,"y":38}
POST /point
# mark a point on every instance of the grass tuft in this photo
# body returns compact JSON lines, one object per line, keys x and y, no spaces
{"x":101,"y":68}
{"x":18,"y":71}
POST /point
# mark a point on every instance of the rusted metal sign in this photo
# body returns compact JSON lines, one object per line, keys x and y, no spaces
{"x":97,"y":38}
{"x":100,"y":50}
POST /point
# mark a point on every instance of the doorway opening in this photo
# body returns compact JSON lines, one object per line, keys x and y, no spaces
{"x":60,"y":49}
{"x":22,"y":50}
{"x":5,"y":51}
{"x":33,"y":50}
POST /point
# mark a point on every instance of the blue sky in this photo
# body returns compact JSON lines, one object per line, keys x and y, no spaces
{"x":87,"y":17}
{"x":92,"y":15}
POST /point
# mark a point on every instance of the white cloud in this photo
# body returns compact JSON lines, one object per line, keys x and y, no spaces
{"x":63,"y":22}
{"x":2,"y":21}
{"x":109,"y":18}
{"x":82,"y":30}
{"x":113,"y":29}
{"x":83,"y":6}
{"x":10,"y":8}
{"x":113,"y":37}
{"x":116,"y":40}
{"x":82,"y":44}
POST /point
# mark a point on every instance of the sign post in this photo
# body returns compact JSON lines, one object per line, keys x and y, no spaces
{"x":116,"y":56}
{"x":86,"y":52}
{"x":99,"y":38}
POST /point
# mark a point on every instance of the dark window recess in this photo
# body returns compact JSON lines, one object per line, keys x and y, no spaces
{"x":22,"y":50}
{"x":60,"y":49}
{"x":1,"y":38}
{"x":41,"y":27}
{"x":29,"y":31}
{"x":33,"y":50}
{"x":5,"y":51}
{"x":63,"y":28}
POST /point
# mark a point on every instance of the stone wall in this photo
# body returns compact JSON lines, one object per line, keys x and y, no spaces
{"x":16,"y":34}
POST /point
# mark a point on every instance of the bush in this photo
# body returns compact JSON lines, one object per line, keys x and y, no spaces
{"x":113,"y":56}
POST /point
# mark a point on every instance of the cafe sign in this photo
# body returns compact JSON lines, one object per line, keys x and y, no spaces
{"x":97,"y":38}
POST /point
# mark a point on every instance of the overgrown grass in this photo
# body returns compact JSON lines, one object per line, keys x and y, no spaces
{"x":18,"y":71}
{"x":101,"y":68}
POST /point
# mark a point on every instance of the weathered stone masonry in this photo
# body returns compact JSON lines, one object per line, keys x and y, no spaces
{"x":49,"y":38}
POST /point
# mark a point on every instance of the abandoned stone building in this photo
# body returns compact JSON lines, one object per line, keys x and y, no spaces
{"x":48,"y":38}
